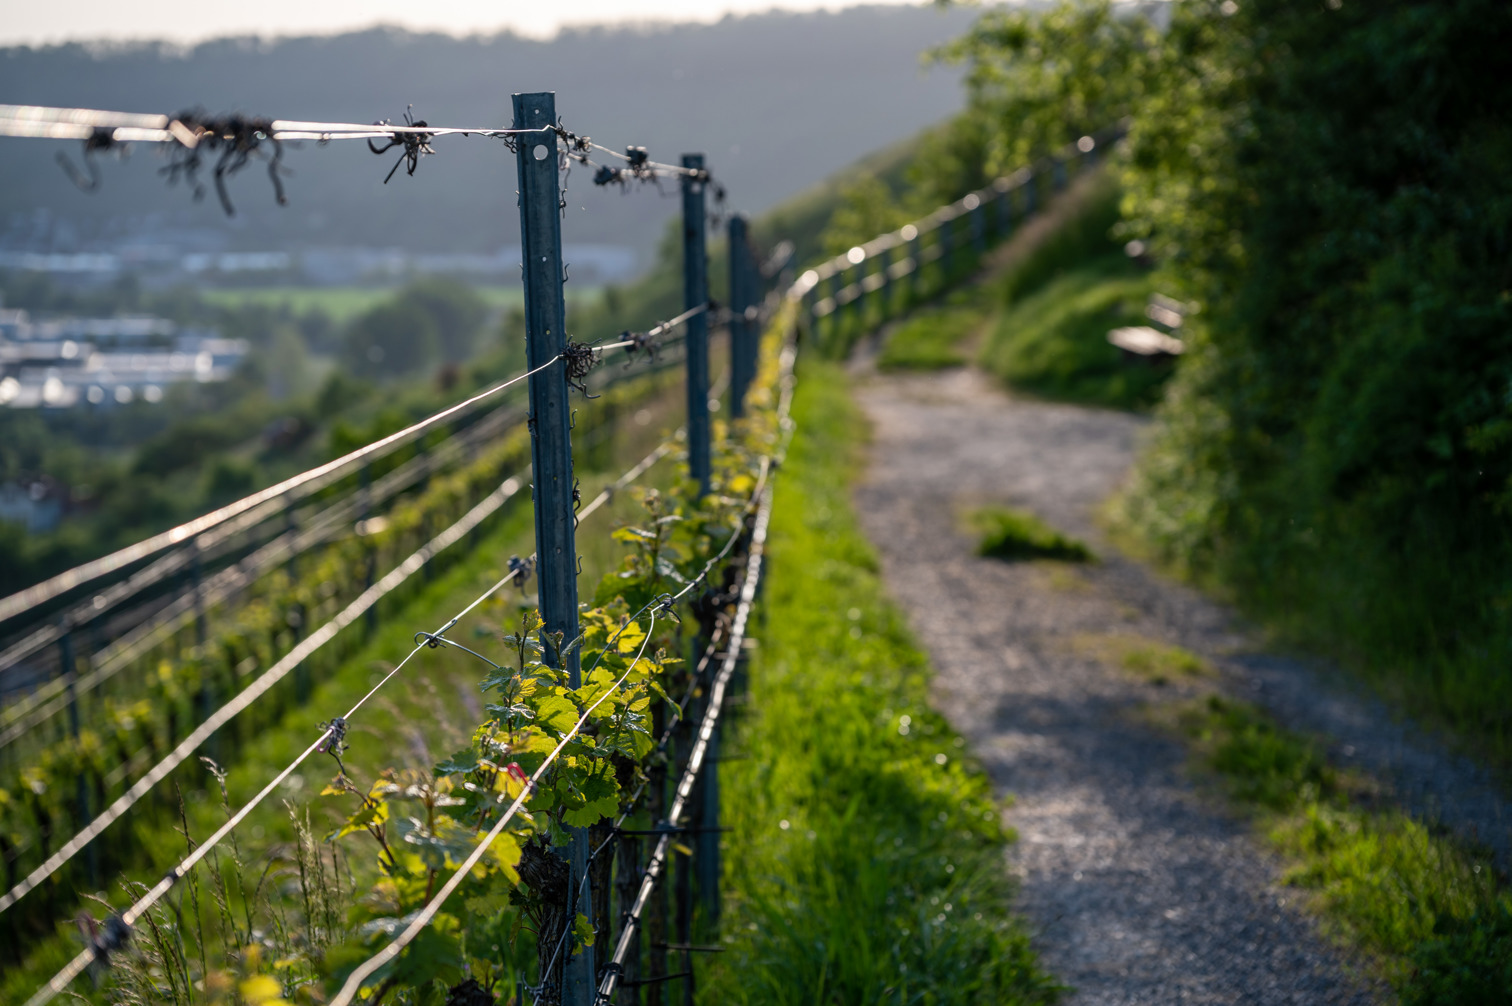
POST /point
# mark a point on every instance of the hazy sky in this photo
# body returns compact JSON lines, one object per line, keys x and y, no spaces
{"x":192,"y":20}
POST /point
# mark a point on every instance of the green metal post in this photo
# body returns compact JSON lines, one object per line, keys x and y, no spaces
{"x":742,"y":329}
{"x":551,"y":453}
{"x":696,"y":292}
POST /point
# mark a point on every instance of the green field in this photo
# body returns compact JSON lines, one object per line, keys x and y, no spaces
{"x":345,"y":302}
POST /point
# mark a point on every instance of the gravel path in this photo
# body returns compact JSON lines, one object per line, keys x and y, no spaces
{"x":1140,"y":889}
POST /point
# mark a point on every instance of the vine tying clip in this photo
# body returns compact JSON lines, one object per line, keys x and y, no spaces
{"x":640,"y":342}
{"x":521,"y":569}
{"x":104,"y":938}
{"x":416,"y":145}
{"x":237,"y":137}
{"x":579,"y":358}
{"x":336,"y":742}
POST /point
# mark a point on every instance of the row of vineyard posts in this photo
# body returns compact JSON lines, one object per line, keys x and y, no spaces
{"x":66,"y":777}
{"x":861,"y":286}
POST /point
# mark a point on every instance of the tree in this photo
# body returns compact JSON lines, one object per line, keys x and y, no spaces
{"x":397,"y":338}
{"x":455,"y":309}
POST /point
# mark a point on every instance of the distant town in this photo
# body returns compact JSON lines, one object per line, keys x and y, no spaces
{"x":64,"y":363}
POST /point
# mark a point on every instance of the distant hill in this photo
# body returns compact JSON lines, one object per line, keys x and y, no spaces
{"x":777,"y":101}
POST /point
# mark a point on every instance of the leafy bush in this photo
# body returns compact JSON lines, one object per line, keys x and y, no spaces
{"x":1468,"y":962}
{"x":1338,"y":448}
{"x":1328,"y":181}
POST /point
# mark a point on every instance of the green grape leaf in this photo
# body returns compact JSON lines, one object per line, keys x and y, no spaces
{"x":582,"y":931}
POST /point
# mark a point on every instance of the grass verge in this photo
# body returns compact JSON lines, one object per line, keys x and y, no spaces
{"x":1007,"y":533}
{"x":1146,"y":659}
{"x":1428,"y":910}
{"x":931,"y":338}
{"x":864,"y":863}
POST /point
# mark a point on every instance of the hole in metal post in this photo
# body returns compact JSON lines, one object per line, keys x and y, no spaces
{"x":539,"y":151}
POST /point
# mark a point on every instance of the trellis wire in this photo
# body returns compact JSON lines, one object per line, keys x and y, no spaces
{"x":79,"y":575}
{"x":305,"y":649}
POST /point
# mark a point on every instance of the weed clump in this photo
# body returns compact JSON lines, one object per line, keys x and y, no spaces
{"x":1148,"y":659}
{"x":1017,"y":534}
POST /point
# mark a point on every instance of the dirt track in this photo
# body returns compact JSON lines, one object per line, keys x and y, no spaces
{"x":1140,"y":888}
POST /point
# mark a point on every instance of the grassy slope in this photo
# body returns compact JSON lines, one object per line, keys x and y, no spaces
{"x":931,"y":338}
{"x":1053,"y":341}
{"x":865,"y":853}
{"x":1063,"y":289}
{"x":1045,"y":303}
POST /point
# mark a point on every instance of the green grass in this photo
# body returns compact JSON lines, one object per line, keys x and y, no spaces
{"x":1007,"y":533}
{"x":864,"y":861}
{"x":930,"y":339}
{"x":1054,"y":341}
{"x":1428,"y":909}
{"x":1148,"y":659}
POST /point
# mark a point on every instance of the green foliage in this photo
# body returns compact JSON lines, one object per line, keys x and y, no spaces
{"x":1263,"y":763}
{"x":570,"y":757}
{"x":418,"y":327}
{"x":803,"y":218}
{"x":1055,"y":342}
{"x":1334,"y":452}
{"x":1327,"y":181}
{"x":1428,"y":908}
{"x":1039,"y":79}
{"x":1007,"y":533}
{"x":1467,"y":962}
{"x":867,"y":207}
{"x":1161,"y":663}
{"x":1151,"y":660}
{"x":1063,"y":294}
{"x":1085,"y":222}
{"x":426,"y":823}
{"x":395,"y":338}
{"x":864,"y":857}
{"x":456,"y":310}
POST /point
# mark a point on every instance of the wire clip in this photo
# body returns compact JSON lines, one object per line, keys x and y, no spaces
{"x":336,"y":742}
{"x":521,"y":568}
{"x":580,"y":358}
{"x":416,"y":145}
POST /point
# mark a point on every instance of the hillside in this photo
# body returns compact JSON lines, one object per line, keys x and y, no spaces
{"x":776,"y":100}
